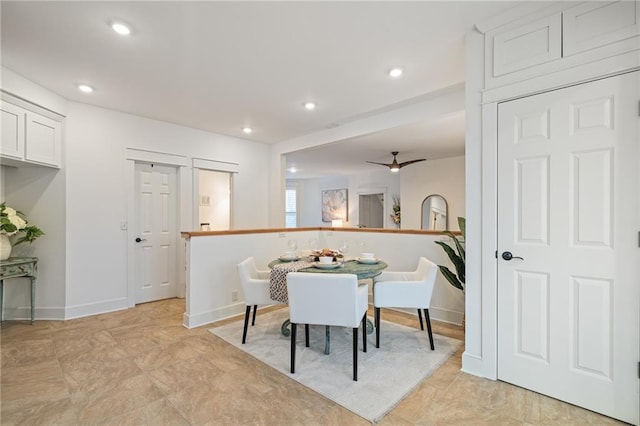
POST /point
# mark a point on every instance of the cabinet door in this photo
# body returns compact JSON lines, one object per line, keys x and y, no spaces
{"x":595,"y":24}
{"x":12,"y":125}
{"x":526,"y":46}
{"x":43,"y":140}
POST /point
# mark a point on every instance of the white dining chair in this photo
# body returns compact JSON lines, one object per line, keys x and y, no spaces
{"x":405,"y":290}
{"x":330,"y":300}
{"x":255,"y":286}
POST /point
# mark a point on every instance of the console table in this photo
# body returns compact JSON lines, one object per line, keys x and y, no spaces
{"x":16,"y":267}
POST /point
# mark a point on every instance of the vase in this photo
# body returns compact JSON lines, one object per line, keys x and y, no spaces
{"x":5,"y":247}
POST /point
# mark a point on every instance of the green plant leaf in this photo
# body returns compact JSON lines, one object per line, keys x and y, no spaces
{"x":462,"y":224}
{"x":31,"y":233}
{"x":457,"y":261}
{"x":459,"y":246}
{"x":451,"y":277}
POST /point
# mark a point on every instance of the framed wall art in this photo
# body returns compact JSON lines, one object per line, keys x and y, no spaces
{"x":334,"y":205}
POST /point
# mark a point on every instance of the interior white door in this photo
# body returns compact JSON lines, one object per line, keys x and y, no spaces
{"x":568,"y":205}
{"x":156,"y":231}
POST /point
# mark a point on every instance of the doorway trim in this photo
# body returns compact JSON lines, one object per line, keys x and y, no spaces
{"x":370,"y":191}
{"x":183,"y":219}
{"x":213,"y":166}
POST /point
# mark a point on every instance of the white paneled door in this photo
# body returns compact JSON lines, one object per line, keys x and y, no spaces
{"x":156,"y":232}
{"x":568,"y":236}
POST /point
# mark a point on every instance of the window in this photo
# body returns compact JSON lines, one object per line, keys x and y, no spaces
{"x":291,"y":208}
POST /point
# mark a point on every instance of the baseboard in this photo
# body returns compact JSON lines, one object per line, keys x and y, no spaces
{"x":445,"y":315}
{"x":472,"y":364}
{"x":24,"y":313}
{"x":62,"y":314}
{"x":437,"y":314}
{"x":203,"y":318}
{"x":89,"y":309}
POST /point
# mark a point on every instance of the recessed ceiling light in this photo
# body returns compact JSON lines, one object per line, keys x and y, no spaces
{"x":293,"y":170}
{"x":310,"y":105}
{"x":247,"y":130}
{"x":84,"y":88}
{"x":120,"y":27}
{"x":395,"y":72}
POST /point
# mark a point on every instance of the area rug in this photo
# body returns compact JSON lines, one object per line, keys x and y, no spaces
{"x":385,"y":375}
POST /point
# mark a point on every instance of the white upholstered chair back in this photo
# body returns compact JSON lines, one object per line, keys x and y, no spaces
{"x":415,"y":290}
{"x":255,"y":283}
{"x":406,"y":290}
{"x":255,"y":286}
{"x":326,"y":299}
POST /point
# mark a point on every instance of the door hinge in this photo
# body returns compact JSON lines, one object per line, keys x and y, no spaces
{"x":497,"y":250}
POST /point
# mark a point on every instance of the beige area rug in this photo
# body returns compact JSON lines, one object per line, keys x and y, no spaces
{"x":385,"y":375}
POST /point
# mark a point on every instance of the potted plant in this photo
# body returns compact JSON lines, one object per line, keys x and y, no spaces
{"x":457,"y":257}
{"x":12,"y":223}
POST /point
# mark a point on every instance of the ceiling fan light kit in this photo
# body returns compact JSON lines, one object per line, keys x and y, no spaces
{"x":394,"y":166}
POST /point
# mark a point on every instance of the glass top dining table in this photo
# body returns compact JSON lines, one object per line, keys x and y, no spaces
{"x":361,"y":270}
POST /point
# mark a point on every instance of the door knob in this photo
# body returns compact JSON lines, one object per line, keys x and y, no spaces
{"x":508,"y":256}
{"x":138,"y":240}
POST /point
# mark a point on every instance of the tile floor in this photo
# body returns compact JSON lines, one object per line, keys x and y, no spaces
{"x":141,"y":367}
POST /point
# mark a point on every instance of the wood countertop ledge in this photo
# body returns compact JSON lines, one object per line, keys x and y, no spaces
{"x":189,"y":234}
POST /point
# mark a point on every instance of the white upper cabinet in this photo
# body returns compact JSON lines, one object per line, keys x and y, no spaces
{"x":12,"y":125}
{"x":29,"y":137}
{"x":42,"y":142}
{"x":539,"y":40}
{"x":527,"y":45}
{"x":596,"y":24}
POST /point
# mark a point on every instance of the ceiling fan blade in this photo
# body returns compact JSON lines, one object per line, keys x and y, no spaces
{"x":382,"y":164}
{"x":406,"y":163}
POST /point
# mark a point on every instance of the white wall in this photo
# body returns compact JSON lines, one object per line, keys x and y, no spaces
{"x":80,"y":207}
{"x":413,"y":184}
{"x":309,"y":191}
{"x":39,"y":192}
{"x":445,"y":177}
{"x":433,"y":105}
{"x":474,"y":76}
{"x":97,"y":199}
{"x":213,"y":279}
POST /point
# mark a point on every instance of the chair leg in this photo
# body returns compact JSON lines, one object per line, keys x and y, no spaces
{"x":255,"y":309}
{"x":364,"y":333}
{"x":294,"y":329}
{"x":377,"y":320}
{"x":428,"y":320}
{"x":306,"y":335}
{"x":246,"y":323}
{"x":327,"y":340}
{"x":355,"y":354}
{"x":420,"y":317}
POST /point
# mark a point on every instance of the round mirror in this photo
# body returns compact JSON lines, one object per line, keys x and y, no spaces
{"x":434,"y":213}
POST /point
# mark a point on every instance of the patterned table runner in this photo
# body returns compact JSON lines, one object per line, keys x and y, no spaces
{"x":278,"y":279}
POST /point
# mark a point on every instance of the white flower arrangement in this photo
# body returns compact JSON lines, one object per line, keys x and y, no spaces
{"x":13,"y":222}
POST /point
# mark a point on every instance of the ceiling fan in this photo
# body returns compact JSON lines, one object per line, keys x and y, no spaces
{"x":395,"y":166}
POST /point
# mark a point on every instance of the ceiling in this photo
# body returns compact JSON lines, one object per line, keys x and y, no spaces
{"x":221,"y":66}
{"x":432,"y":139}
